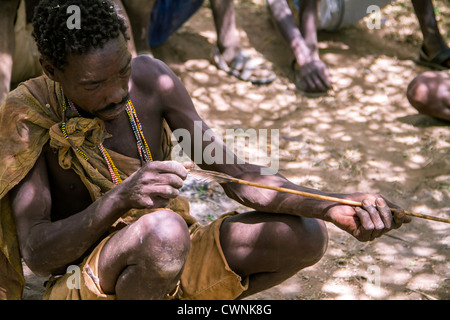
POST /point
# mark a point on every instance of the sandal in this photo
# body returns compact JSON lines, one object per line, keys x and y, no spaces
{"x":437,"y":62}
{"x":243,"y":67}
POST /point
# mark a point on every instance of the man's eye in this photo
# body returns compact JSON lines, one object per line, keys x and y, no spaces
{"x":126,"y":71}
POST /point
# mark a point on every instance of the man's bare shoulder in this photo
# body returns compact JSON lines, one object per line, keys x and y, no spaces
{"x":154,"y":81}
{"x":149,"y":71}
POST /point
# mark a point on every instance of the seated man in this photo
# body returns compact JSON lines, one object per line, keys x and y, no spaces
{"x":429,"y":93}
{"x":86,"y":182}
{"x":154,"y":21}
{"x":298,"y":21}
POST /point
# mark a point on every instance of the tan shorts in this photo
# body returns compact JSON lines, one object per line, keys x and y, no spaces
{"x":206,"y":275}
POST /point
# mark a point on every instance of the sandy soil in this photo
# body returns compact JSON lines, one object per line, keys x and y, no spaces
{"x":363,"y":137}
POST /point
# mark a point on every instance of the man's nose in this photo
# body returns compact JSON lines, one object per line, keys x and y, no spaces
{"x":116,"y":95}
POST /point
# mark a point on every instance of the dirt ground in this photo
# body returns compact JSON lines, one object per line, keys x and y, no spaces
{"x":363,"y":137}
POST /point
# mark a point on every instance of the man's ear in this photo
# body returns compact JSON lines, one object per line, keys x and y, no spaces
{"x":49,"y":69}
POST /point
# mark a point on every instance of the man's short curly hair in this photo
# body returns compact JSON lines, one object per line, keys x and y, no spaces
{"x":99,"y":23}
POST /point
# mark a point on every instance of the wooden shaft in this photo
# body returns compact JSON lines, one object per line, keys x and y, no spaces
{"x":223,"y":178}
{"x":333,"y":199}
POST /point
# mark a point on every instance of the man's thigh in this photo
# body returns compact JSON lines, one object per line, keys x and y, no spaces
{"x":256,"y":242}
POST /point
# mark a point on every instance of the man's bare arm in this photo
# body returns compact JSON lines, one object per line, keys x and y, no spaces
{"x":302,"y":40}
{"x":366,"y":223}
{"x":48,"y":246}
{"x":181,"y":114}
{"x":45,"y":245}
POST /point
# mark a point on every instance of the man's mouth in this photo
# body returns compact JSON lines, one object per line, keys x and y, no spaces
{"x":113,"y":110}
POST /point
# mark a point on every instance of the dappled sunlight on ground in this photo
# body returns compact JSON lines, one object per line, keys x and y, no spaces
{"x":363,"y":137}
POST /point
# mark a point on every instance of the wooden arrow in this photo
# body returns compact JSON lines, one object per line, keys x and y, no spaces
{"x":213,"y":176}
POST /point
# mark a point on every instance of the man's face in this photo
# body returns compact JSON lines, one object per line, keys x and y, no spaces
{"x":97,"y":81}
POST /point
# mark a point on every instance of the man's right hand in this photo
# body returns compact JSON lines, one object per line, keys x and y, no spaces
{"x":368,"y":222}
{"x":314,"y":77}
{"x":153,"y":185}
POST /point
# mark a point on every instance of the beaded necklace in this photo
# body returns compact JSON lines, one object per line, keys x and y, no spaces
{"x":142,"y":146}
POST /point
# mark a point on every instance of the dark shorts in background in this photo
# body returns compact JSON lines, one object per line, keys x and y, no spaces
{"x":168,"y":16}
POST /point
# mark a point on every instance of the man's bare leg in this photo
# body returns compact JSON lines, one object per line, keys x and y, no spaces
{"x":145,"y":259}
{"x":139,"y":12}
{"x":432,"y":39}
{"x":8,"y":9}
{"x":229,"y":45}
{"x":429,"y":93}
{"x":122,"y":12}
{"x":270,"y":248}
{"x":228,"y":40}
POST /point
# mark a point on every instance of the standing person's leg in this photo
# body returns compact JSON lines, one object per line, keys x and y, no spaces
{"x":228,"y":40}
{"x":8,"y":10}
{"x":153,"y":22}
{"x":435,"y":52}
{"x":139,"y":12}
{"x":122,"y":12}
{"x":229,"y":55}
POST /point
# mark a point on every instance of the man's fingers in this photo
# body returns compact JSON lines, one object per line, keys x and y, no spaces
{"x":317,"y":81}
{"x":327,"y":74}
{"x":385,"y":212}
{"x":188,"y":165}
{"x":324,"y":76}
{"x":164,"y":191}
{"x":312,"y":80}
{"x":172,"y":180}
{"x":307,"y":84}
{"x":399,"y":218}
{"x":170,"y":167}
{"x":375,"y":217}
{"x":367,"y":226}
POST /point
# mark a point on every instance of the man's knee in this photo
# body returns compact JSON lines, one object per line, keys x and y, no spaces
{"x":418,"y":92}
{"x":317,"y":240}
{"x":320,"y":240}
{"x":309,"y":239}
{"x":164,"y":237}
{"x":427,"y":93}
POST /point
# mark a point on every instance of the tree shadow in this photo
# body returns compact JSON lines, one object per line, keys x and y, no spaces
{"x":420,"y":120}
